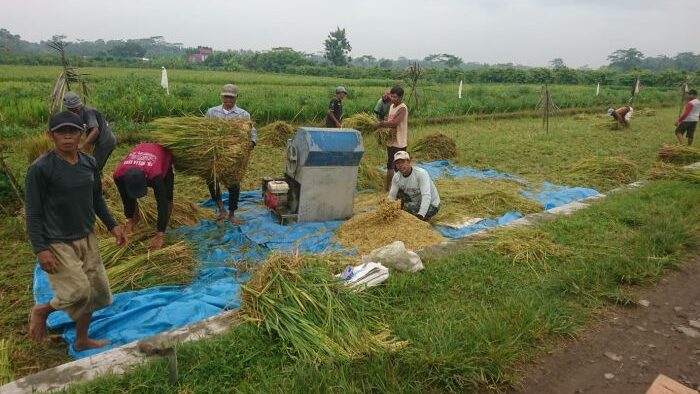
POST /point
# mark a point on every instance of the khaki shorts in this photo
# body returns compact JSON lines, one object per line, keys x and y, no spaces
{"x":80,"y":284}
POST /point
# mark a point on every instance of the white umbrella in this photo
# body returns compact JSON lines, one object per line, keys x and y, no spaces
{"x":164,"y":80}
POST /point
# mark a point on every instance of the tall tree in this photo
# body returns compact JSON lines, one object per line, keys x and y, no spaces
{"x":337,"y":47}
{"x":557,"y":63}
{"x":626,"y":59}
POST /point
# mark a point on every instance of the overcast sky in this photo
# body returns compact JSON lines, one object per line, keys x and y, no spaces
{"x":529,"y":32}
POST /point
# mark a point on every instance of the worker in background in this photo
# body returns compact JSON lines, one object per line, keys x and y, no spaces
{"x":688,"y":120}
{"x":622,"y":115}
{"x":397,"y":118}
{"x":381,"y":110}
{"x":335,"y":108}
{"x":413,"y":186}
{"x":229,"y":110}
{"x":99,"y":137}
{"x":63,"y":195}
{"x":147,"y":165}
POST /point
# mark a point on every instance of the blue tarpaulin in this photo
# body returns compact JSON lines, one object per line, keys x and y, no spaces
{"x":140,"y":314}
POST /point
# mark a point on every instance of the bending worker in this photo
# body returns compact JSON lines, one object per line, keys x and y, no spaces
{"x":413,"y":186}
{"x":622,"y":115}
{"x":148,"y":164}
{"x":99,"y":137}
{"x":229,"y":110}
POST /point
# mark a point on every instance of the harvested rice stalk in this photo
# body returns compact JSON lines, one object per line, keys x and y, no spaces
{"x":362,"y":122}
{"x":368,"y":231}
{"x":435,"y":146}
{"x":369,"y":177}
{"x":580,"y":117}
{"x":5,"y":367}
{"x":36,"y":146}
{"x":210,"y":148}
{"x":385,"y":135}
{"x":609,"y":171}
{"x":525,"y":245}
{"x":298,"y":301}
{"x":463,"y":198}
{"x":679,"y":154}
{"x":645,"y":112}
{"x":661,"y":170}
{"x":277,"y":134}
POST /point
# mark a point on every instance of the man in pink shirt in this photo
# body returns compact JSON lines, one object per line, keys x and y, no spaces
{"x":147,"y":165}
{"x":688,"y":120}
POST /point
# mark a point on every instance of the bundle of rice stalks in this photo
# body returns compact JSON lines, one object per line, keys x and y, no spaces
{"x":528,"y":246}
{"x":679,"y":154}
{"x":463,"y":198}
{"x":607,"y":171}
{"x":277,"y":134}
{"x":134,"y":267}
{"x":435,"y":146}
{"x":368,"y":231}
{"x":369,"y":177}
{"x":385,"y":135}
{"x":362,"y":122}
{"x":210,"y":148}
{"x":645,"y":112}
{"x":298,"y":301}
{"x":661,"y":170}
{"x":5,"y":367}
{"x":580,"y":117}
{"x":36,"y":146}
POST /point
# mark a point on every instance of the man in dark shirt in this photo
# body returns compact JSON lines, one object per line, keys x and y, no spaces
{"x":335,"y":108}
{"x":100,"y":138}
{"x":63,"y":194}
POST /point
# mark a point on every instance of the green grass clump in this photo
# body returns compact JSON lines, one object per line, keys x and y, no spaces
{"x":311,"y":313}
{"x":36,"y":146}
{"x":5,"y":367}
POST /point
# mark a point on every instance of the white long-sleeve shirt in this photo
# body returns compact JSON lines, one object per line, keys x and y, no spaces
{"x":419,"y":189}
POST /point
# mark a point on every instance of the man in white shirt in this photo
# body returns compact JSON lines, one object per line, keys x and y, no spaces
{"x":688,"y":120}
{"x":413,"y":186}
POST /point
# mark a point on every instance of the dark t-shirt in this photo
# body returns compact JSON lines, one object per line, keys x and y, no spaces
{"x":336,"y":105}
{"x":92,"y":118}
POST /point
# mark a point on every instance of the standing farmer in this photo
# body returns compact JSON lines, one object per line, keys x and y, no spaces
{"x":229,"y":110}
{"x":99,"y":134}
{"x":147,"y":165}
{"x":396,"y":119}
{"x":688,"y":120}
{"x":63,"y":194}
{"x":335,"y":108}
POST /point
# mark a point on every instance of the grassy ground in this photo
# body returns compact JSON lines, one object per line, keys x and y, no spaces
{"x":472,"y":317}
{"x":516,"y":146}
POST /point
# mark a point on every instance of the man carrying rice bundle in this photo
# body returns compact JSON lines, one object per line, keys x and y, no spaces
{"x":397,"y":119}
{"x":688,"y":120}
{"x":228,"y":110}
{"x":99,"y":136}
{"x":147,"y":165}
{"x":413,"y":186}
{"x":63,"y":194}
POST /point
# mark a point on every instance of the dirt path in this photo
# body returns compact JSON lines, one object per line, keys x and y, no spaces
{"x":626,"y":352}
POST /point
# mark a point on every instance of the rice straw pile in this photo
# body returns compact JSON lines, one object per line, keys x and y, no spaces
{"x":608,"y":171}
{"x":369,"y":177}
{"x":5,"y":367}
{"x":385,"y":135}
{"x":316,"y":318}
{"x":462,"y":198}
{"x":362,"y":122}
{"x":277,"y":134}
{"x":368,"y":231}
{"x":435,"y":146}
{"x":210,"y":148}
{"x":528,"y":246}
{"x":661,"y":170}
{"x":36,"y":146}
{"x":679,"y":154}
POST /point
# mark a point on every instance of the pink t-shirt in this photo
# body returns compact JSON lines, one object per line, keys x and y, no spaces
{"x":151,"y":157}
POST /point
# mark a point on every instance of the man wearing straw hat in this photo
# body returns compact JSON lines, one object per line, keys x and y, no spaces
{"x":99,"y":136}
{"x":63,"y":194}
{"x":229,"y":110}
{"x":413,"y":186}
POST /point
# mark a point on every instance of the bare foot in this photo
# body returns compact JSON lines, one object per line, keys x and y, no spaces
{"x":89,"y":344}
{"x":221,"y":216}
{"x":234,"y":220}
{"x":37,"y":323}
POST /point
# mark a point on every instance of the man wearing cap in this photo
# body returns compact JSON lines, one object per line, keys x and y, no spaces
{"x":63,"y":194}
{"x":335,"y":108}
{"x":229,"y":110}
{"x":622,"y":115}
{"x":397,"y":119}
{"x":413,"y":186}
{"x":688,"y":120}
{"x":99,"y":135}
{"x":147,"y":165}
{"x":381,"y":109}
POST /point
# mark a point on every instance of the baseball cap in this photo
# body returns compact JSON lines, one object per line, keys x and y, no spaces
{"x":341,"y":89}
{"x":229,"y":90}
{"x":65,"y":118}
{"x":72,"y":100}
{"x":135,"y":183}
{"x":401,"y":155}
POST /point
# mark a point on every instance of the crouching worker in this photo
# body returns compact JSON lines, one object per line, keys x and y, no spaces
{"x":622,"y":115}
{"x":147,"y":165}
{"x":63,"y":194}
{"x":413,"y":186}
